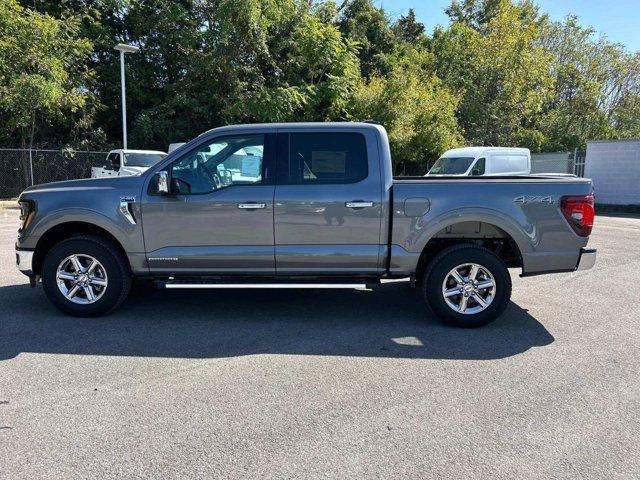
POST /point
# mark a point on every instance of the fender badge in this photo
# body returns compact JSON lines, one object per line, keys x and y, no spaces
{"x":125,"y":210}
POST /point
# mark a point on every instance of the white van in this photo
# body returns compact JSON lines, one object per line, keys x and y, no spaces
{"x":483,"y":161}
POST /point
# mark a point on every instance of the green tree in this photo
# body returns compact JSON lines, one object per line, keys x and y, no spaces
{"x":473,"y":13}
{"x":367,"y":25}
{"x":594,"y":86}
{"x":408,"y":29}
{"x":43,"y":73}
{"x":417,"y":110}
{"x":501,"y":72}
{"x":317,"y":75}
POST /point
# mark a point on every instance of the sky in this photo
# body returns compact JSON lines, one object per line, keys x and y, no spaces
{"x":619,"y":20}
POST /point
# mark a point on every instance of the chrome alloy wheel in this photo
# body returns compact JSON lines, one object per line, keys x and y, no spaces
{"x":469,"y":288}
{"x":81,"y":279}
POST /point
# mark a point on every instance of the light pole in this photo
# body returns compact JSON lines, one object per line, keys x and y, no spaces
{"x":124,"y":48}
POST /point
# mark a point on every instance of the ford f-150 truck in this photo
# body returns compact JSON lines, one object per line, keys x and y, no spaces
{"x":301,"y":205}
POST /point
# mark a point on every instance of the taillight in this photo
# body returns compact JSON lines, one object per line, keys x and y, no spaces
{"x":579,"y":212}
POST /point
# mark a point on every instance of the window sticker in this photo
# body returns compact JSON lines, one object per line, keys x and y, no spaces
{"x":250,"y":166}
{"x":323,"y":161}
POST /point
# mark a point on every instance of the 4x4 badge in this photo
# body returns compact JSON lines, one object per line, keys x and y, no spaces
{"x":533,"y":199}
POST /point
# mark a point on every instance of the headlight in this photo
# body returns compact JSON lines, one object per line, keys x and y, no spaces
{"x":27,"y":210}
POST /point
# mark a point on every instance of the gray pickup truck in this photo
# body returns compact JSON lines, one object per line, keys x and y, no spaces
{"x":303,"y":205}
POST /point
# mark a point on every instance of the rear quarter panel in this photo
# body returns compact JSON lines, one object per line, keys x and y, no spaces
{"x":528,"y":210}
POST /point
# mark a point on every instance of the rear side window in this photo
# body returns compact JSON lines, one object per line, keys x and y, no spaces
{"x":508,"y":163}
{"x":326,"y":158}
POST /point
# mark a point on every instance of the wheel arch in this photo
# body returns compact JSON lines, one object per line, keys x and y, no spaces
{"x":68,"y":229}
{"x":489,"y":231}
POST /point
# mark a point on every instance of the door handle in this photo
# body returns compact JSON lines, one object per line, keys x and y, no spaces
{"x":251,"y":206}
{"x":358,"y":204}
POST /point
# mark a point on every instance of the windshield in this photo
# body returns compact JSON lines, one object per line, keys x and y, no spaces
{"x":142,"y":159}
{"x":451,"y":165}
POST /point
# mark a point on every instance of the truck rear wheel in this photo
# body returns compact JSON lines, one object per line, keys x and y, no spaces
{"x":85,"y":276}
{"x":467,"y":286}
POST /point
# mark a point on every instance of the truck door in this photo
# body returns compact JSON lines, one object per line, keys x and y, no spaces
{"x":327,"y":209}
{"x":219,"y":216}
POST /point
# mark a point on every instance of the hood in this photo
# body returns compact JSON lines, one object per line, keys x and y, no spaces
{"x":85,"y":184}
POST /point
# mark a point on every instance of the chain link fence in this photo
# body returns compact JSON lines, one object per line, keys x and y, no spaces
{"x":558,"y":162}
{"x":20,"y":168}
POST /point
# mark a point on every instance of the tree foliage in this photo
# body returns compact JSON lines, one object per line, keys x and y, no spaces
{"x":417,"y":109}
{"x":42,"y":70}
{"x":500,"y":73}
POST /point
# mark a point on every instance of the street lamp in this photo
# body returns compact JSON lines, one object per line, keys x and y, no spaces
{"x":124,"y":48}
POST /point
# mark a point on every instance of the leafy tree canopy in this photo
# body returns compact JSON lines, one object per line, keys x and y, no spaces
{"x":500,"y":73}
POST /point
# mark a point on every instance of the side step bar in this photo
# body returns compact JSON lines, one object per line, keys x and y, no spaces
{"x":348,"y":286}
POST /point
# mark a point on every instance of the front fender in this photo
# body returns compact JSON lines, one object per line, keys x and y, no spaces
{"x":124,"y":232}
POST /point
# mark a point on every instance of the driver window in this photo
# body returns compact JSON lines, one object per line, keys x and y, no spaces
{"x":225,"y":162}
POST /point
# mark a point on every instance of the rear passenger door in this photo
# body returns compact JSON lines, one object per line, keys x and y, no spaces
{"x":327,"y":205}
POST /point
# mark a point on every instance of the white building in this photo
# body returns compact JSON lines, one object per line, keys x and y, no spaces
{"x":614,"y":167}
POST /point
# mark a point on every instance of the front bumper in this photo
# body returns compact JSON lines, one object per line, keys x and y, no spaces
{"x":24,"y":261}
{"x":587,"y":258}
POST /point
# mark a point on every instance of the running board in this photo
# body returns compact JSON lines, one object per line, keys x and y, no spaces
{"x":348,"y":286}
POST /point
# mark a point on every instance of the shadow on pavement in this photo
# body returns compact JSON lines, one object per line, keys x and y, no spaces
{"x":389,"y":322}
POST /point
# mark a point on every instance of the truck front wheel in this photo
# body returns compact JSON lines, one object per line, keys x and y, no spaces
{"x":467,"y":286}
{"x":85,"y":276}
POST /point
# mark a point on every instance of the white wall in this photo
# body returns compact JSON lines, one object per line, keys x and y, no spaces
{"x":614,"y":167}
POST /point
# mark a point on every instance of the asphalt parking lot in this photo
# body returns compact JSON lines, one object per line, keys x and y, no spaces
{"x":308,"y":384}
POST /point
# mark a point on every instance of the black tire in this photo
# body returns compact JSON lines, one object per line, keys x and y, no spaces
{"x":438,"y":270}
{"x":113,"y":261}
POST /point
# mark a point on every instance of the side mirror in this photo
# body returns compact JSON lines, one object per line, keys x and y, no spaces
{"x":475,"y":172}
{"x":163,"y":183}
